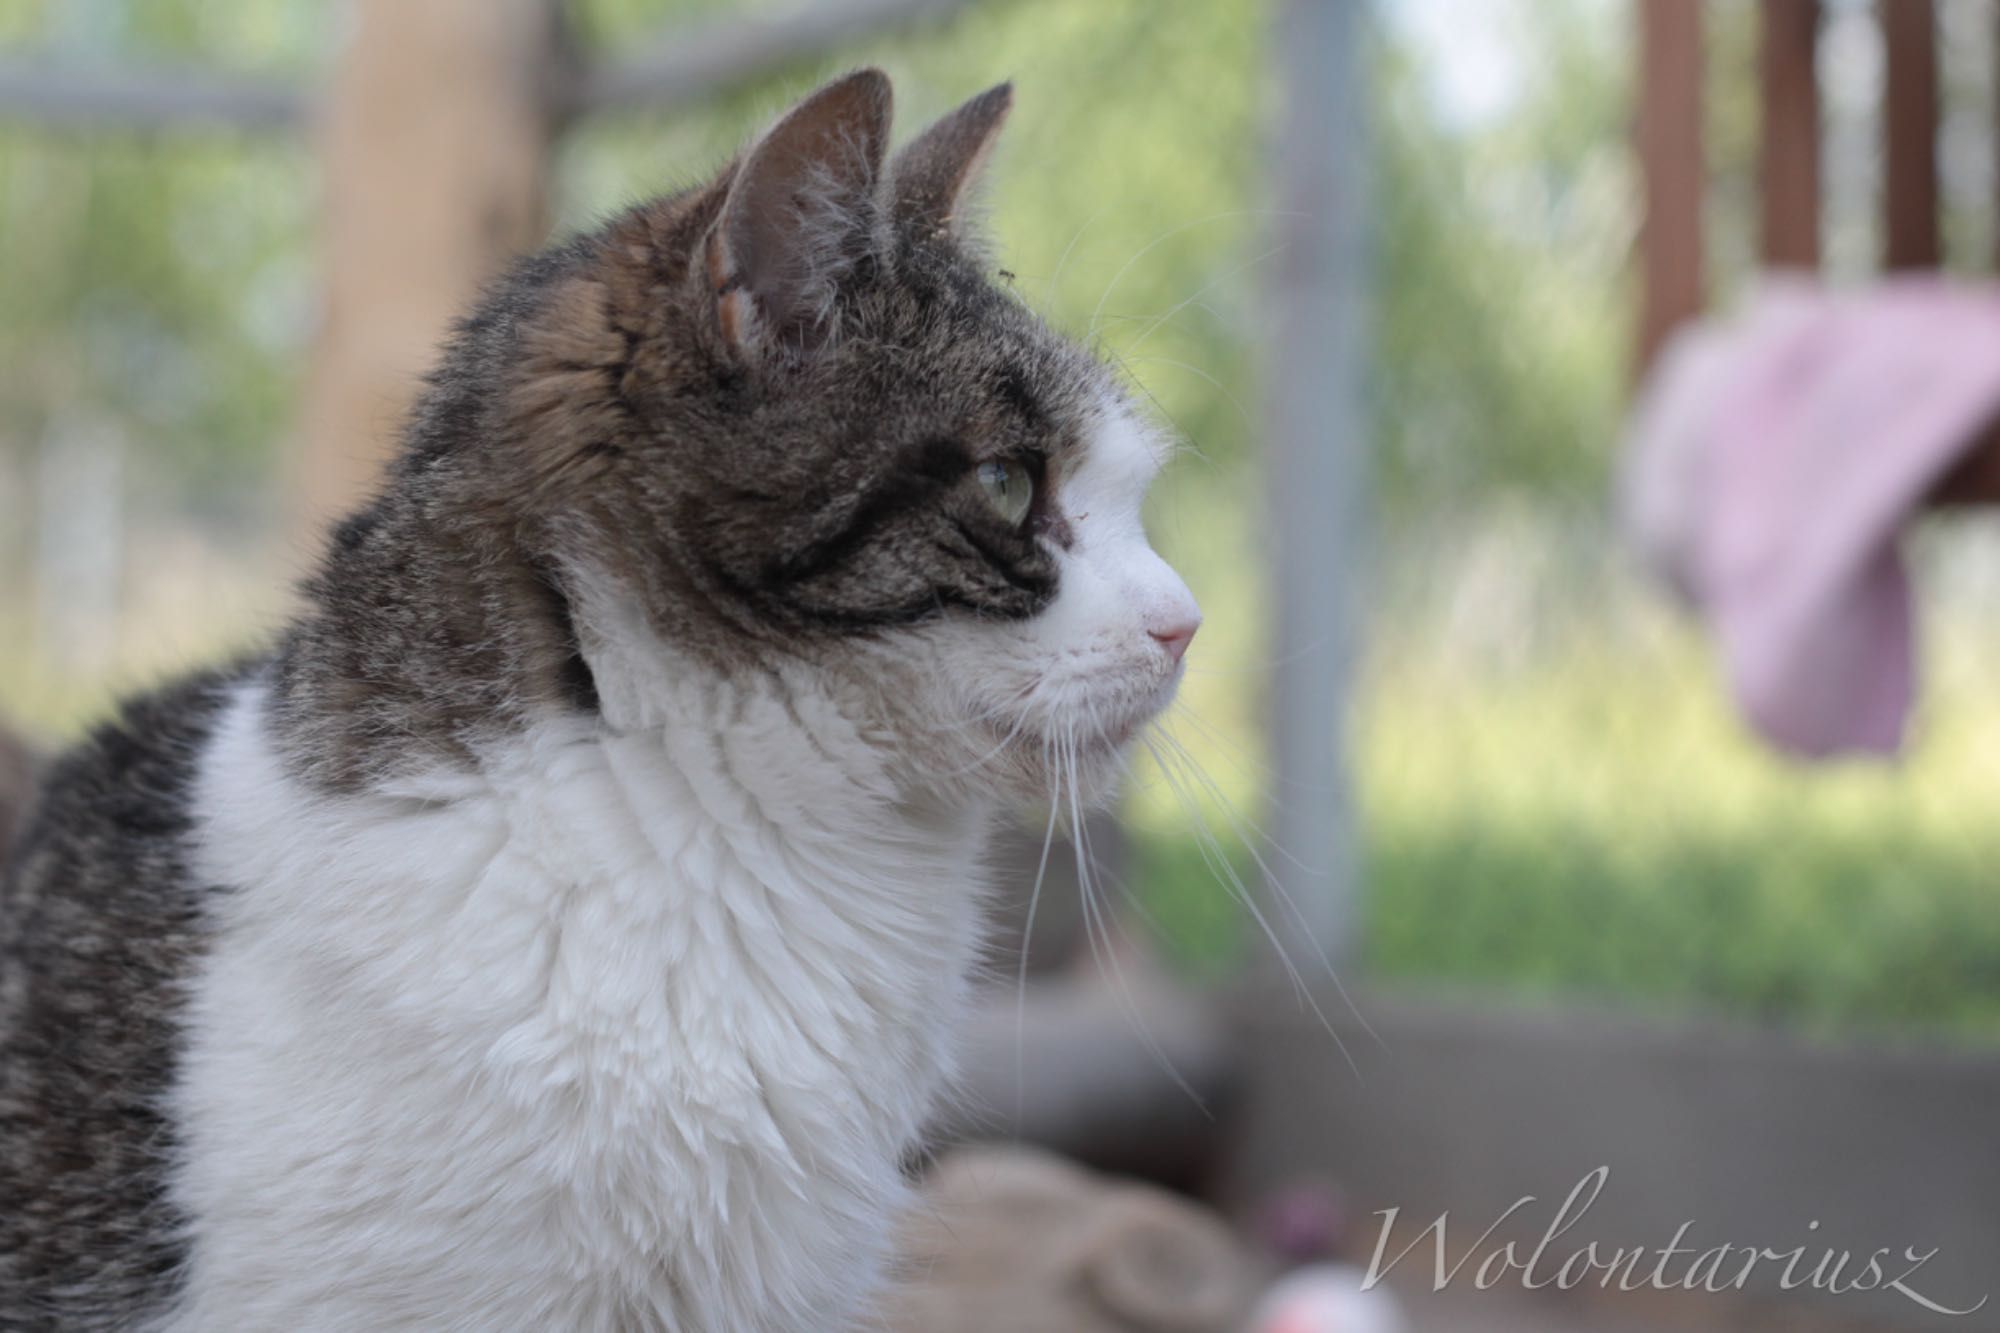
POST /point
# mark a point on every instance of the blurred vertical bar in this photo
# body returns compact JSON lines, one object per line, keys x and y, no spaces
{"x":1317,"y":454}
{"x":434,"y":146}
{"x":1909,"y":129}
{"x":1789,"y":157}
{"x":1672,"y":164}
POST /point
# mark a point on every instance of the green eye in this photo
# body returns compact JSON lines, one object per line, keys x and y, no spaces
{"x":1009,"y":489}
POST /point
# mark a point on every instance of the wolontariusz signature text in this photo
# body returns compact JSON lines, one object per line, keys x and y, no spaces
{"x":1675,"y":1267}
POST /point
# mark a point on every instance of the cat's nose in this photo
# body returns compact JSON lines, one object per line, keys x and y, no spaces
{"x":1176,"y":637}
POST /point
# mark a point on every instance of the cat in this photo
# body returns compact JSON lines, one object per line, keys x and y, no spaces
{"x":17,"y":784}
{"x":566,"y":924}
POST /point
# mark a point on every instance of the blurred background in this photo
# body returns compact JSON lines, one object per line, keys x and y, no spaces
{"x":1589,"y":916}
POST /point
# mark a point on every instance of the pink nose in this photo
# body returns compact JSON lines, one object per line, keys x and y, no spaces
{"x":1176,"y":638}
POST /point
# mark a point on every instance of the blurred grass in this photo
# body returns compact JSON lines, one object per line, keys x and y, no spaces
{"x":1602,"y":827}
{"x":1593,"y":823}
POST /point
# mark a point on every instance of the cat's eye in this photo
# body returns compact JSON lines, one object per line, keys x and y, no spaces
{"x":1010,"y":489}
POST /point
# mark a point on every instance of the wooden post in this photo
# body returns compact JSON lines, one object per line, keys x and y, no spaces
{"x":1675,"y":173}
{"x":1909,"y":126}
{"x":1789,"y":165}
{"x":435,"y":145}
{"x":1318,"y":473}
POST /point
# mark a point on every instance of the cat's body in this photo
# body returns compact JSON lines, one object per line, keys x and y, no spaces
{"x":565,"y":927}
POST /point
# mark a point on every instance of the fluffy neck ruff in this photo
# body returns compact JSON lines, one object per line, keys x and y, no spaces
{"x":632,"y":1019}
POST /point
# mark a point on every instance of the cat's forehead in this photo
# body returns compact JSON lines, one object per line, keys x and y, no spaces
{"x":977,"y":353}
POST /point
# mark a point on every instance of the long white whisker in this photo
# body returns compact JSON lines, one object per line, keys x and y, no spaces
{"x":1220,"y":387}
{"x":1049,"y":288}
{"x":1156,"y":243}
{"x":1242,"y":825}
{"x":1238,"y":755}
{"x":1107,"y":958}
{"x":1226,"y":873}
{"x":1276,"y":885}
{"x":1027,"y":937}
{"x":1200,"y":292}
{"x":1153,"y":245}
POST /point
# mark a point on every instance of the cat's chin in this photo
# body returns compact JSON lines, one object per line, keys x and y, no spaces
{"x":1088,"y":763}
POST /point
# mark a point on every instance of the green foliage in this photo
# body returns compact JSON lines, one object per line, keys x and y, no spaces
{"x":1503,"y":303}
{"x":166,"y":291}
{"x":160,"y":286}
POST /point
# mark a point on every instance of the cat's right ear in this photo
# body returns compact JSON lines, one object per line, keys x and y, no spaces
{"x":800,"y":215}
{"x":934,"y":176}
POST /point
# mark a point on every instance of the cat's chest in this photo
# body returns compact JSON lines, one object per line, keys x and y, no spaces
{"x":595,"y":904}
{"x":613,"y":1007}
{"x":638,"y":941}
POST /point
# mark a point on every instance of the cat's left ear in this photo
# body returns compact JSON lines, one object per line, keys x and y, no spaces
{"x":933,"y":178}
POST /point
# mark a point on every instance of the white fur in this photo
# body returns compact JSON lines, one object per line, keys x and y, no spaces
{"x":630,"y":1026}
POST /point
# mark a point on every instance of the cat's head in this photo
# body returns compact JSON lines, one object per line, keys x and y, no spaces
{"x":791,"y":414}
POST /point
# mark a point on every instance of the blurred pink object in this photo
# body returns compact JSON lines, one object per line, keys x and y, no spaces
{"x":1326,"y":1298}
{"x":1775,"y":459}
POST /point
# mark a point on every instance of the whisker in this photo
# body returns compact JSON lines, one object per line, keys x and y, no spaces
{"x":1027,"y":935}
{"x":1276,"y":885}
{"x":1239,"y":756}
{"x":1049,"y":289}
{"x":1162,"y":239}
{"x":1220,"y":387}
{"x":1238,"y":822}
{"x":1184,"y":439}
{"x":1107,"y":958}
{"x":1218,"y":862}
{"x":1202,"y":291}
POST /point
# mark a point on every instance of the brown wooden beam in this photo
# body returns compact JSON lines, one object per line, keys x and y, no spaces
{"x":1789,"y":158}
{"x":1672,"y":165}
{"x":1909,"y":127}
{"x":435,"y":142}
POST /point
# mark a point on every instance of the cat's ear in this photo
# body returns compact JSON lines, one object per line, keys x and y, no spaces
{"x":800,"y":215}
{"x":933,"y":177}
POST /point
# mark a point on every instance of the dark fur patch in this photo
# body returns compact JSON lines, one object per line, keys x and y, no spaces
{"x":18,"y":765}
{"x":573,"y":673}
{"x":100,"y":925}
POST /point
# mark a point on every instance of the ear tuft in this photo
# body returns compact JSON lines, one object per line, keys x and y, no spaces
{"x":800,"y":215}
{"x":934,"y":176}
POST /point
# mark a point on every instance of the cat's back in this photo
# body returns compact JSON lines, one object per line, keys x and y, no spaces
{"x":101,"y":923}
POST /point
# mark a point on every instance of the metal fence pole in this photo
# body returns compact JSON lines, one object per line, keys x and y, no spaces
{"x":1318,"y":473}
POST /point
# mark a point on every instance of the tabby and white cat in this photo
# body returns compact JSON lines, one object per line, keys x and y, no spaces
{"x":566,"y":924}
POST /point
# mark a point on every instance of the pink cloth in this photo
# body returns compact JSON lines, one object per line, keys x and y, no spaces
{"x":1774,"y":460}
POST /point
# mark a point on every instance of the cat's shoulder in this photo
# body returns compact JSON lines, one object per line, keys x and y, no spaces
{"x":112,"y":806}
{"x":101,"y":924}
